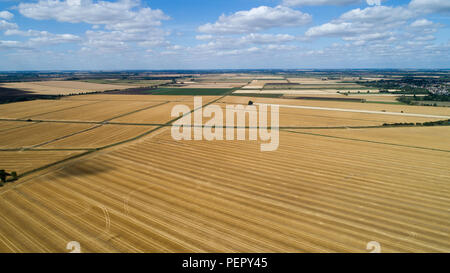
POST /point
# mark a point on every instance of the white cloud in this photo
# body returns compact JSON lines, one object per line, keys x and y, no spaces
{"x":41,"y":38}
{"x":27,"y":33}
{"x":118,"y":40}
{"x":363,"y":21}
{"x":320,"y":2}
{"x":256,"y":38}
{"x":333,"y":29}
{"x":121,"y":15}
{"x":430,"y":5}
{"x":116,"y":26}
{"x":4,"y":25}
{"x":11,"y":45}
{"x":373,"y":2}
{"x":257,"y":19}
{"x":204,"y":37}
{"x":425,"y":38}
{"x":46,"y":38}
{"x":378,"y":14}
{"x":385,"y":30}
{"x":422,"y":23}
{"x":6,"y":15}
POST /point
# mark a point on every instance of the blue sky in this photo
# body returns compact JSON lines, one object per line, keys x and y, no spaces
{"x":233,"y":34}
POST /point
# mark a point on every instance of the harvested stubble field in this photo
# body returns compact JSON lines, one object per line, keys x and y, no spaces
{"x":426,"y":137}
{"x":27,"y":109}
{"x":290,"y":117}
{"x":443,"y":111}
{"x":155,"y":115}
{"x":38,"y":133}
{"x":103,"y":110}
{"x":63,"y":87}
{"x":323,"y":190}
{"x":24,"y":161}
{"x":134,"y":199}
{"x":100,"y":136}
{"x":10,"y":125}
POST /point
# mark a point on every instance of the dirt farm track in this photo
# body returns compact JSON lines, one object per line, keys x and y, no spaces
{"x":104,"y":171}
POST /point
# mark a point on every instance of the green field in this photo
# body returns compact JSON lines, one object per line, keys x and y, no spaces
{"x":257,"y":95}
{"x":126,"y":82}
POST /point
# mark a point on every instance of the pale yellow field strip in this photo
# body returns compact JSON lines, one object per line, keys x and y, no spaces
{"x":299,"y":117}
{"x":63,"y":87}
{"x":360,"y":111}
{"x":313,"y":118}
{"x":290,"y":92}
{"x":429,"y":137}
{"x":317,"y":81}
{"x":438,"y":111}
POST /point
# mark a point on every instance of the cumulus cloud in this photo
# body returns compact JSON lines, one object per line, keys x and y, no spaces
{"x":373,"y":2}
{"x":292,"y":3}
{"x":431,"y":5}
{"x":117,"y":40}
{"x":256,"y":19}
{"x":320,"y":2}
{"x":204,"y":37}
{"x":422,"y":23}
{"x":6,"y":15}
{"x":125,"y":23}
{"x":124,"y":14}
{"x":41,"y":38}
{"x":4,"y":25}
{"x":11,"y":45}
{"x":378,"y":14}
{"x":363,"y":21}
{"x":256,"y":38}
{"x":47,"y":38}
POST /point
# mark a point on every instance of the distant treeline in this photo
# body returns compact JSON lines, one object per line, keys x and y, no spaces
{"x":10,"y":99}
{"x":404,"y":86}
{"x":414,"y":100}
{"x":428,"y":123}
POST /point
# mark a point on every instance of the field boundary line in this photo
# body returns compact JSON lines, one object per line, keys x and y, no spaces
{"x":369,"y":141}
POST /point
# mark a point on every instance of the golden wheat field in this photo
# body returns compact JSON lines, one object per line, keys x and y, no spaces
{"x":104,"y":170}
{"x":63,"y":87}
